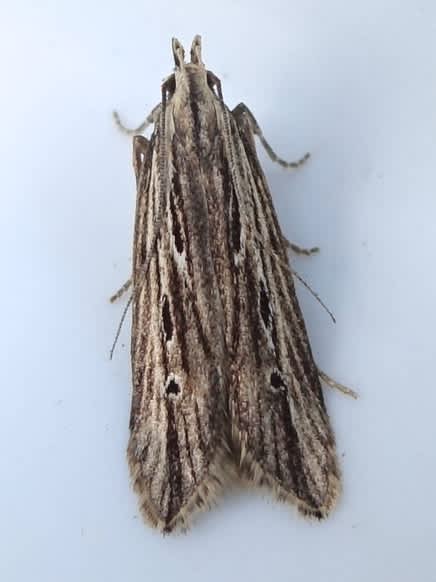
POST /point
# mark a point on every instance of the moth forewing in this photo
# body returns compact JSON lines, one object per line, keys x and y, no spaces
{"x":278,"y":415}
{"x":223,"y":373}
{"x":178,"y":449}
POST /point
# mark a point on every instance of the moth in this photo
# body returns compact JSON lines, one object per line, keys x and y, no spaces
{"x":224,"y":381}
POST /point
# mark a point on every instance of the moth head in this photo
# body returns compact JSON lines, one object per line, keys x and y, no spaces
{"x":193,"y":74}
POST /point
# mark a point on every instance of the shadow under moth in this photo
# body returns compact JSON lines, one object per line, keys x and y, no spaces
{"x":224,"y":382}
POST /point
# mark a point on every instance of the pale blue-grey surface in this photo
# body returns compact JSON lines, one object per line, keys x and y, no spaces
{"x":354,"y":83}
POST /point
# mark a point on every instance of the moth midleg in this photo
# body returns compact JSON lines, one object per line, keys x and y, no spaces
{"x":121,"y":291}
{"x":151,"y":118}
{"x":242,"y":110}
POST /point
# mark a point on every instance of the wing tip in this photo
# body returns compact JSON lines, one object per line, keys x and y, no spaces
{"x":220,"y":474}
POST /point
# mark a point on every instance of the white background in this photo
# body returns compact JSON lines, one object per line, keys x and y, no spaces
{"x":354,"y":83}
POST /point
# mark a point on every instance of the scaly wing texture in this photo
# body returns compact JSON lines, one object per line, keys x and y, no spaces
{"x":279,"y":420}
{"x":178,"y":448}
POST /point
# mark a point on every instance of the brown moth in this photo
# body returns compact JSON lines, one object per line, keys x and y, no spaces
{"x":224,"y":381}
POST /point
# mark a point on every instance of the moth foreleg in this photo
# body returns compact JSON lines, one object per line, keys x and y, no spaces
{"x":242,"y":111}
{"x":151,"y":118}
{"x":300,"y":250}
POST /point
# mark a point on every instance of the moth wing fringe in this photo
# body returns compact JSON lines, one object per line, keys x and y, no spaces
{"x":253,"y":475}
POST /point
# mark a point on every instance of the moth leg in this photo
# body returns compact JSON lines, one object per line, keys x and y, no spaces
{"x":121,"y":291}
{"x":300,"y":250}
{"x":242,"y":110}
{"x":333,"y":384}
{"x":151,"y":118}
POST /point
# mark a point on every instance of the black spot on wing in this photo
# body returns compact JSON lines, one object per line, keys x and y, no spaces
{"x":276,"y":381}
{"x":173,"y":388}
